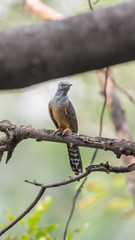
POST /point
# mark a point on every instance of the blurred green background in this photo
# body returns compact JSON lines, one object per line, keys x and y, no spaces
{"x":105,"y":200}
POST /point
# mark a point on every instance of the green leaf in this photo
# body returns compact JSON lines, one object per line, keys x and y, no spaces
{"x":78,"y":230}
{"x":32,"y":221}
{"x":51,"y":227}
{"x":118,"y":204}
{"x":119,"y":181}
{"x":90,"y":200}
{"x":70,"y":236}
{"x":9,"y":216}
{"x":42,"y":206}
{"x":94,"y":186}
{"x":25,"y":237}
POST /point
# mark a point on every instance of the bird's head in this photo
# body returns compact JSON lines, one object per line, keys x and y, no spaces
{"x":64,"y":87}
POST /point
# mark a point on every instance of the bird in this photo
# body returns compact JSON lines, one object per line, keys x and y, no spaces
{"x":64,"y":118}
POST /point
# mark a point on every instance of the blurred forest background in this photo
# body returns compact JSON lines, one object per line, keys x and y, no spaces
{"x":105,"y":199}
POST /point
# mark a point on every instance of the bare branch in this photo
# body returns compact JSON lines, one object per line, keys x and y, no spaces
{"x":102,"y":112}
{"x":90,"y":5}
{"x":42,"y":10}
{"x":131,"y":98}
{"x":52,"y":49}
{"x":18,"y":133}
{"x":103,"y":167}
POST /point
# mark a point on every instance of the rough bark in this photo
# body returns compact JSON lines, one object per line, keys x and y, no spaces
{"x":15,"y":134}
{"x":36,"y":53}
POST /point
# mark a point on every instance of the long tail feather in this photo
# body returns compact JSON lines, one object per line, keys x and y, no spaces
{"x":75,"y":159}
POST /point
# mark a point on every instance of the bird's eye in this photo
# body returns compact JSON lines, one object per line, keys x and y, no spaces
{"x":62,"y":84}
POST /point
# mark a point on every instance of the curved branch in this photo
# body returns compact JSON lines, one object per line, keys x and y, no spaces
{"x":56,"y":49}
{"x":102,"y":167}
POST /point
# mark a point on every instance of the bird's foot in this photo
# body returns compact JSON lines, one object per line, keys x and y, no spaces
{"x":66,"y":131}
{"x":58,"y":130}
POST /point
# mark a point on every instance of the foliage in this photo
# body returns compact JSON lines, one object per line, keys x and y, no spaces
{"x":115,"y":195}
{"x":33,"y":230}
{"x":32,"y":226}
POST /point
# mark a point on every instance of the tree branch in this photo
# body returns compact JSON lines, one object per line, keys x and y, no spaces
{"x":39,"y":52}
{"x":15,"y":134}
{"x":103,"y":167}
{"x":42,"y":10}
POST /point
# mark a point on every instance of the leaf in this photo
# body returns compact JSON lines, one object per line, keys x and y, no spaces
{"x":24,"y":236}
{"x":42,"y":206}
{"x":51,"y":227}
{"x":70,"y":236}
{"x":78,"y":230}
{"x":89,"y":200}
{"x":32,"y":221}
{"x":119,"y":181}
{"x":7,"y":238}
{"x":117,"y":204}
{"x":9,"y":216}
{"x":43,"y":231}
{"x":94,"y":186}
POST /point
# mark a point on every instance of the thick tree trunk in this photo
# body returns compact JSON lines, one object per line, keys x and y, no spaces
{"x":49,"y":50}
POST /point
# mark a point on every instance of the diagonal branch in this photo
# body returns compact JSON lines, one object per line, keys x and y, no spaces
{"x":42,"y":10}
{"x":39,"y":195}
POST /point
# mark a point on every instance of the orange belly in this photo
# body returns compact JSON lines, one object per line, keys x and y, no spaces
{"x":61,"y":118}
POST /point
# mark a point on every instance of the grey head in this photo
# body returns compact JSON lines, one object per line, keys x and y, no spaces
{"x":63,"y":88}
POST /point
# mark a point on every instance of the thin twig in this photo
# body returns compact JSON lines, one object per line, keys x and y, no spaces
{"x":105,"y":100}
{"x":90,"y":5}
{"x":73,"y":207}
{"x":39,"y":195}
{"x":102,"y":167}
{"x":96,"y":2}
{"x":60,"y":183}
{"x":125,"y":92}
{"x":102,"y":113}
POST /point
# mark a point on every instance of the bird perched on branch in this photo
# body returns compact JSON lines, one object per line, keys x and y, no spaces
{"x":63,"y":116}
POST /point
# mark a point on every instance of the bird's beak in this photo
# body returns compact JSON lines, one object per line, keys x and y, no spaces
{"x":70,"y":85}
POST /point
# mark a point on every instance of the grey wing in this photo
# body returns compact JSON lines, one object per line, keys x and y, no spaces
{"x":70,"y":111}
{"x":51,"y":114}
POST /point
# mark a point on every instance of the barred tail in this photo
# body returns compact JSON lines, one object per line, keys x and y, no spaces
{"x":75,"y":159}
